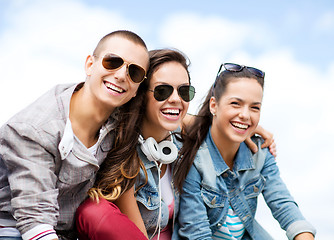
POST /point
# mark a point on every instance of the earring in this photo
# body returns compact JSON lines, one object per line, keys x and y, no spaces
{"x":213,"y":114}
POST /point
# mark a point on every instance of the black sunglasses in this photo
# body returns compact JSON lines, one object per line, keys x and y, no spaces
{"x":162,"y":92}
{"x":232,"y":67}
{"x":113,"y":62}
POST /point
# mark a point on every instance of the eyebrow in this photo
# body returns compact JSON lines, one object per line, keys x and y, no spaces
{"x":241,"y":100}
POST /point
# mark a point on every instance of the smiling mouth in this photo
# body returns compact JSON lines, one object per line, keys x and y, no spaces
{"x":113,"y":87}
{"x":240,"y":125}
{"x":172,"y":112}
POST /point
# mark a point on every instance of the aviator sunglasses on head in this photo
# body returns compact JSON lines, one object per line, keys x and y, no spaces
{"x":113,"y":62}
{"x":162,"y":92}
{"x":232,"y":67}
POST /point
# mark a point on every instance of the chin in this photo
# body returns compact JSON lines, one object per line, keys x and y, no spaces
{"x":170,"y":127}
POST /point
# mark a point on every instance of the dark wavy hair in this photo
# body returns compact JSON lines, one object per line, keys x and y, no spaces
{"x":196,"y":131}
{"x":119,"y":170}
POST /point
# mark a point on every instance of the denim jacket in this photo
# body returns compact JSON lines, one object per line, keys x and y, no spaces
{"x":148,"y":196}
{"x":211,"y":187}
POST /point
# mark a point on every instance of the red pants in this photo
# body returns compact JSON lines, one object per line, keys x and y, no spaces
{"x":104,"y":221}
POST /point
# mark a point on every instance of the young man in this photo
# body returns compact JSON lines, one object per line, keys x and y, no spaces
{"x":50,"y":152}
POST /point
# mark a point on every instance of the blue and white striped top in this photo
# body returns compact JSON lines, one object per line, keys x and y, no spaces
{"x":232,"y":229}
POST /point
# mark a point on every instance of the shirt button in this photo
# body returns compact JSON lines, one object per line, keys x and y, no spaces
{"x":225,"y":175}
{"x":213,"y":201}
{"x":256,"y":189}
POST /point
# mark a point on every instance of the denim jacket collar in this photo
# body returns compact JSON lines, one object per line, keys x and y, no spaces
{"x":243,"y":159}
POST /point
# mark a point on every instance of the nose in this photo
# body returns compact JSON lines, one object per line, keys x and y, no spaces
{"x":121,"y":73}
{"x":174,"y":97}
{"x":244,"y":113}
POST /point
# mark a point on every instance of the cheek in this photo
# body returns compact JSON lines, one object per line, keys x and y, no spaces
{"x":255,"y":118}
{"x":152,"y":107}
{"x":185,"y":107}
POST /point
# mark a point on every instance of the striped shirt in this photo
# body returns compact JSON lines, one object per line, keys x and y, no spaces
{"x":232,"y":229}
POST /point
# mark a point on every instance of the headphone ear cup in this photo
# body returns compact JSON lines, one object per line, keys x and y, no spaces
{"x":168,"y":152}
{"x":151,"y":149}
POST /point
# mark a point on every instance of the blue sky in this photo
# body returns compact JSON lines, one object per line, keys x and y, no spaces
{"x":43,"y":43}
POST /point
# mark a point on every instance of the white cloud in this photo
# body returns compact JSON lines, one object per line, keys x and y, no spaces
{"x":325,"y":23}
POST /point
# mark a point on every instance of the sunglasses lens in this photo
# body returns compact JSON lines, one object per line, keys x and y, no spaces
{"x":112,"y":62}
{"x":162,"y":92}
{"x":187,"y":93}
{"x":256,"y":72}
{"x":136,"y":73}
{"x":232,"y":67}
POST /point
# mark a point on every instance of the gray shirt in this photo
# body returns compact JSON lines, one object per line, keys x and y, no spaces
{"x":45,"y":171}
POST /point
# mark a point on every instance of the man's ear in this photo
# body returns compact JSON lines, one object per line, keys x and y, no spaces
{"x":88,"y":64}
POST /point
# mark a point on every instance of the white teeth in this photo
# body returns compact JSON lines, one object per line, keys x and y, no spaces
{"x":113,"y":87}
{"x":240,"y":125}
{"x":171,"y":111}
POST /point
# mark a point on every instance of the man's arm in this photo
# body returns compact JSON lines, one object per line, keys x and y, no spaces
{"x":31,"y":179}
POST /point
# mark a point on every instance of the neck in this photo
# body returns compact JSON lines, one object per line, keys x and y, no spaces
{"x":227,"y":149}
{"x":148,"y":130}
{"x":86,"y":118}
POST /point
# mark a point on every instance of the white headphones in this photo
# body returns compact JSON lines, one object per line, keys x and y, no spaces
{"x":164,"y":152}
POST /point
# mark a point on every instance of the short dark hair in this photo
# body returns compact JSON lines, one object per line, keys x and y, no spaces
{"x":131,"y":36}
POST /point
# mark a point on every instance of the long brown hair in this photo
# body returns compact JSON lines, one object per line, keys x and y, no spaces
{"x":197,"y":130}
{"x":119,"y":170}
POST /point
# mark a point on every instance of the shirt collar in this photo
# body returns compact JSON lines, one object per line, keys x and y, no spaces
{"x":67,"y":142}
{"x":243,"y":158}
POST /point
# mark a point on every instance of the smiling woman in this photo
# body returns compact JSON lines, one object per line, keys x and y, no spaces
{"x":152,"y":202}
{"x":220,"y":188}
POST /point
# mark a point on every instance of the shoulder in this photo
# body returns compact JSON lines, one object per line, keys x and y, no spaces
{"x":203,"y":162}
{"x":43,"y":119}
{"x":263,"y":155}
{"x":48,"y":107}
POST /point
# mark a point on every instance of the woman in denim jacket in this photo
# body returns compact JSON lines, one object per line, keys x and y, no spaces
{"x":152,"y":202}
{"x":219,"y":196}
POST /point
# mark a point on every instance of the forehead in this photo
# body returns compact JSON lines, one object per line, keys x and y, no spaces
{"x":244,"y":88}
{"x":131,"y":52}
{"x":172,"y":73}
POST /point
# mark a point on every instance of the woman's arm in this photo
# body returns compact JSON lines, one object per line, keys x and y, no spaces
{"x":268,"y":140}
{"x":281,"y":203}
{"x":304,"y":236}
{"x":127,"y":203}
{"x":193,"y":222}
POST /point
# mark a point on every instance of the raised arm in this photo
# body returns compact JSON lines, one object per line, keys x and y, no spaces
{"x":268,"y":141}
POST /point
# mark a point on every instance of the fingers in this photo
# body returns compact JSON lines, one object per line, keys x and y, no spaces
{"x":272,"y":149}
{"x":271,"y":144}
{"x":252,"y":146}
